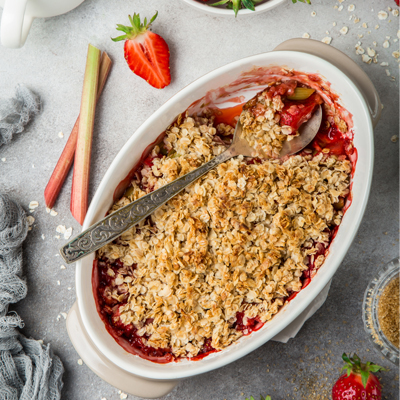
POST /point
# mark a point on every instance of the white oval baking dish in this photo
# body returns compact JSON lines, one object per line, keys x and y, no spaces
{"x":357,"y":95}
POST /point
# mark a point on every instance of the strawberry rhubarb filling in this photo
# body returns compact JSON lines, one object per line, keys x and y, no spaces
{"x":219,"y":260}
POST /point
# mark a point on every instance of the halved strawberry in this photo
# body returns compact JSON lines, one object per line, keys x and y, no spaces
{"x":358,"y":382}
{"x":146,"y":53}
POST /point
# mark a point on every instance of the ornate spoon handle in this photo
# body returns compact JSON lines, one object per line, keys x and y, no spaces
{"x":112,"y":226}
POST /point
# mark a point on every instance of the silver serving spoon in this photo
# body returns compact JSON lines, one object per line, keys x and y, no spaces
{"x":113,"y":225}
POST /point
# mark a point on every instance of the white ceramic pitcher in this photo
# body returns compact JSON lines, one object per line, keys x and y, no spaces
{"x":18,"y":16}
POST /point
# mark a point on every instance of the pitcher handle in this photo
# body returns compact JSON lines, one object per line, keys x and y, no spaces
{"x":15,"y":24}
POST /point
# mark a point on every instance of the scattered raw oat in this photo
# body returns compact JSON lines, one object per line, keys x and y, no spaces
{"x":375,"y":43}
{"x":53,"y":213}
{"x":57,"y":236}
{"x":313,"y":14}
{"x":359,"y":49}
{"x":382,"y":15}
{"x":360,"y":35}
{"x":30,"y":220}
{"x":60,"y":229}
{"x":344,"y":30}
{"x":58,"y":317}
{"x":334,"y":23}
{"x":340,"y":8}
{"x":351,"y":7}
{"x":327,"y":32}
{"x":68,"y":233}
{"x":386,"y":44}
{"x":306,"y":35}
{"x":395,"y":13}
{"x":396,"y":54}
{"x":64,"y":315}
{"x":356,"y":20}
{"x":376,"y":26}
{"x":60,"y":134}
{"x":371,"y":52}
{"x":80,"y":362}
{"x":327,"y":40}
{"x":364,"y":25}
{"x":69,"y":287}
{"x":387,"y":72}
{"x":33,"y":205}
{"x":58,"y":283}
{"x":123,"y":396}
{"x":48,"y":210}
{"x":40,"y":341}
{"x":43,"y":237}
{"x":62,"y":267}
{"x":366,"y":59}
{"x":394,"y":138}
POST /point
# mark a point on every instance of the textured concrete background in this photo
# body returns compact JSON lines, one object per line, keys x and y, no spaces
{"x":52,"y":63}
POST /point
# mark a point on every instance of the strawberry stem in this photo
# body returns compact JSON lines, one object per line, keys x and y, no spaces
{"x":354,"y":364}
{"x":66,"y":159}
{"x":80,"y":180}
{"x":136,"y":28}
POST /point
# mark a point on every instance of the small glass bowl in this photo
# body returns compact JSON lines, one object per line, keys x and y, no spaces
{"x":370,"y":310}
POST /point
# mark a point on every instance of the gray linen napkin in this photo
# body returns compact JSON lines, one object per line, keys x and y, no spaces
{"x":28,"y":368}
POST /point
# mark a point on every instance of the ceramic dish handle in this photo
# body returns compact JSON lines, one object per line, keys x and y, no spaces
{"x":108,"y":371}
{"x":15,"y":24}
{"x":345,"y":64}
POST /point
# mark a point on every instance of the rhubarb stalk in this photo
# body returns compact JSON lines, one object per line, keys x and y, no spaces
{"x":80,"y":179}
{"x":67,"y":157}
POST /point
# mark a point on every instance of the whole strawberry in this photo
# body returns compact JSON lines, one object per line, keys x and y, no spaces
{"x":358,"y":382}
{"x":146,"y":53}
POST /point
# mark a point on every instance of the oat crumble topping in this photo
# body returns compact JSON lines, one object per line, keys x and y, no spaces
{"x":236,"y":241}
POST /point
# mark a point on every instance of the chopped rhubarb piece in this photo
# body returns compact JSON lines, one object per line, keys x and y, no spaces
{"x":80,"y":180}
{"x":295,"y":113}
{"x":67,"y":156}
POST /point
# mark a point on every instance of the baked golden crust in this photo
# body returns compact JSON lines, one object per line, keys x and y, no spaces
{"x":236,"y":240}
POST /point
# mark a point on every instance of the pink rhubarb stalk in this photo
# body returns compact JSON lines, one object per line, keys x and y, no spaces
{"x":67,"y":156}
{"x":80,"y":179}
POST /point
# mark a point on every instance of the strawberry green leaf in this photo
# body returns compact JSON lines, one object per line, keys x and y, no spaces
{"x":249,"y":4}
{"x":364,"y":378}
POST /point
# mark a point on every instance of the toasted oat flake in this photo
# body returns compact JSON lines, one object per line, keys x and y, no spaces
{"x":396,"y":54}
{"x":306,"y":35}
{"x":395,"y":13}
{"x":30,"y":220}
{"x":366,"y":59}
{"x":80,"y":362}
{"x":53,"y":213}
{"x":371,"y":52}
{"x":356,"y":20}
{"x":327,"y":40}
{"x":382,"y":15}
{"x":386,"y":44}
{"x":344,"y":30}
{"x":394,"y":138}
{"x":364,"y":25}
{"x":351,"y":7}
{"x":376,"y":26}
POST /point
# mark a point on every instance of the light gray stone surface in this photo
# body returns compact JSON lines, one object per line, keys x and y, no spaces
{"x":52,"y":63}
